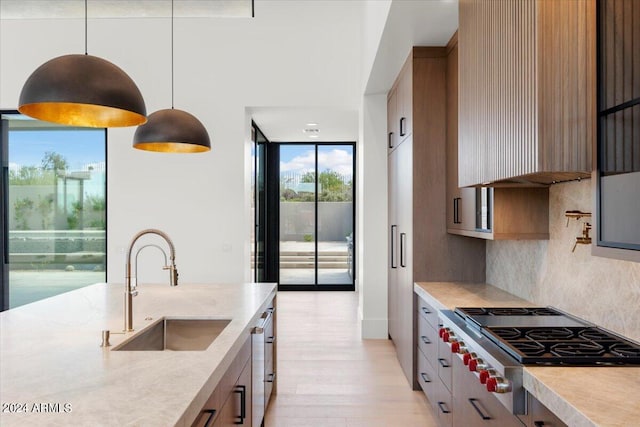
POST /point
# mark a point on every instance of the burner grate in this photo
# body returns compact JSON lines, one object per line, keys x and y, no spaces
{"x":625,"y":350}
{"x":577,"y":349}
{"x":564,"y":346}
{"x":546,"y":334}
{"x":530,"y":348}
{"x":507,"y":333}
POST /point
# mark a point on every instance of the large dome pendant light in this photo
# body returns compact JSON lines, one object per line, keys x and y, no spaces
{"x":172,"y":130}
{"x":82,"y":90}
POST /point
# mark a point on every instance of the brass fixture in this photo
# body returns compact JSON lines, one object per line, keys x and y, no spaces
{"x":577,"y":215}
{"x":584,"y":239}
{"x":131,"y":291}
{"x":105,"y":339}
{"x":172,"y":130}
{"x":82,"y":90}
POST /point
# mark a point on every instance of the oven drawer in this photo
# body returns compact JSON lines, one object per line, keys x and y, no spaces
{"x":428,"y":313}
{"x":443,"y":363}
{"x":427,"y":376}
{"x":427,"y":340}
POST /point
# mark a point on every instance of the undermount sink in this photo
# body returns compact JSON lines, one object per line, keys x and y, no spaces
{"x":176,"y":334}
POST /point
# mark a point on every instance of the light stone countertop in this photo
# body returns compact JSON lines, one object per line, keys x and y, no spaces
{"x":50,"y":354}
{"x":580,"y":396}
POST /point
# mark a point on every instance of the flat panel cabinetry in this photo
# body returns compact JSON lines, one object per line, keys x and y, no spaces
{"x":433,"y":370}
{"x":400,"y":296}
{"x":231,"y":395}
{"x":521,"y":118}
{"x":393,"y":137}
{"x":400,"y":108}
{"x":237,"y":409}
{"x":419,"y":247}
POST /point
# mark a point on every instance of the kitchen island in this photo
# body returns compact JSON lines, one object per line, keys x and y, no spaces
{"x":53,"y":370}
{"x":579,"y":396}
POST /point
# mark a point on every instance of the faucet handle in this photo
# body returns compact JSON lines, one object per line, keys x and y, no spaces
{"x":173,"y":274}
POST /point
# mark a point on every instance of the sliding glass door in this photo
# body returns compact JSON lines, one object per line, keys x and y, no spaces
{"x":316,"y":216}
{"x":53,"y":208}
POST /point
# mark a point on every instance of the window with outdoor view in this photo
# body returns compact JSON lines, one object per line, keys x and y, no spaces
{"x":54,"y":208}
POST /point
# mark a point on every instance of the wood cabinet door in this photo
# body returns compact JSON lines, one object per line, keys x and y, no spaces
{"x":405,"y":100}
{"x":392,"y":119}
{"x":237,"y":408}
{"x":404,"y":302}
{"x":392,"y":251}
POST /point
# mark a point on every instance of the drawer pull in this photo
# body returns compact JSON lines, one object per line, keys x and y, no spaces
{"x":425,"y":378}
{"x":425,"y":310}
{"x":443,"y":408}
{"x":212,"y":414}
{"x":473,"y":403}
{"x":425,"y":340}
{"x":444,"y":363}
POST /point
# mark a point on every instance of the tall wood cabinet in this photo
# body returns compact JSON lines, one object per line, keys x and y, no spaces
{"x":420,"y":249}
{"x":527,"y":90}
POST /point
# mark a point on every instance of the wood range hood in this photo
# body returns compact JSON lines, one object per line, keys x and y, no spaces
{"x":527,"y":113}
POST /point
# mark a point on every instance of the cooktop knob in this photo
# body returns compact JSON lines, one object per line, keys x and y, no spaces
{"x":498,"y":385}
{"x":477,"y":364}
{"x":442,"y":331}
{"x":456,"y":346}
{"x":485,"y":374}
{"x":468,"y":357}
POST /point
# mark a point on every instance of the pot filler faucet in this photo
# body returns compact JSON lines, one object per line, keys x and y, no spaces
{"x":131,"y":291}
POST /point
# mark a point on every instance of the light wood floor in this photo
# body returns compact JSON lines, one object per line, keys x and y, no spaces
{"x":329,"y":377}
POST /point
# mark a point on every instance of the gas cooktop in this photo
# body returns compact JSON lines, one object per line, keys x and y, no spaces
{"x":545,"y":335}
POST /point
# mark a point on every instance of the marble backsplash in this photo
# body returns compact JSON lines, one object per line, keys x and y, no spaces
{"x":602,"y":290}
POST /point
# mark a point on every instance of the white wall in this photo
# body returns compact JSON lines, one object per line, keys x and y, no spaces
{"x":292,"y":54}
{"x":371,"y":214}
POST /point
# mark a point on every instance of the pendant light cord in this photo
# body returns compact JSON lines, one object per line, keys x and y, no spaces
{"x":171,"y":54}
{"x":85,"y":27}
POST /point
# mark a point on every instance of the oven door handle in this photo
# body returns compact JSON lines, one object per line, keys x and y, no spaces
{"x":473,"y":403}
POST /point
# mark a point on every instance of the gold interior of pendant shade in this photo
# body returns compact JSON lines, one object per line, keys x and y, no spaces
{"x":82,"y":90}
{"x":171,"y":147}
{"x":172,"y":131}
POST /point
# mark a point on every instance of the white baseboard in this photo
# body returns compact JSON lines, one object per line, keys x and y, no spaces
{"x":374,"y":329}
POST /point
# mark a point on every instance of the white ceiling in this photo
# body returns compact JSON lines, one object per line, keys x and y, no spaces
{"x":287,"y":124}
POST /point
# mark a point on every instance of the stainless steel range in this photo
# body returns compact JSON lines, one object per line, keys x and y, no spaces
{"x":495,"y":343}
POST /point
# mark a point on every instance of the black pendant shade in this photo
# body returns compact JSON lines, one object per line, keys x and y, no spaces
{"x":172,"y":130}
{"x":82,"y":90}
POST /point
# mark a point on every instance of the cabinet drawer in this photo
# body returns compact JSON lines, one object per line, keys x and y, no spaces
{"x":443,"y":363}
{"x":427,"y":376}
{"x":443,"y":405}
{"x":429,"y":313}
{"x":427,"y":341}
